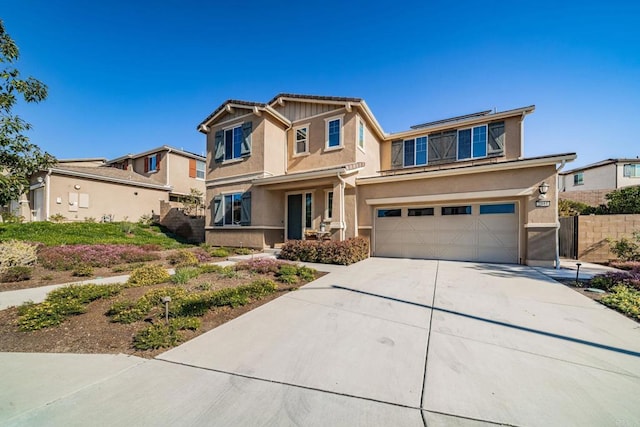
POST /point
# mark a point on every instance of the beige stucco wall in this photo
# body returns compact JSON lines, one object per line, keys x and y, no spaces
{"x":178,"y":174}
{"x":594,"y":232}
{"x":598,"y":178}
{"x":625,"y":181}
{"x":275,"y":142}
{"x":371,"y":153}
{"x":105,"y":198}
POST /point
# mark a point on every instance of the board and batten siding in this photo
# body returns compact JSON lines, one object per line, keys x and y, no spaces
{"x":295,"y":111}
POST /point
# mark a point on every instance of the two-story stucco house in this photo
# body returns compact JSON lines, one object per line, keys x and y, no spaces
{"x":590,"y":184}
{"x":127,"y":187}
{"x":304,"y":166}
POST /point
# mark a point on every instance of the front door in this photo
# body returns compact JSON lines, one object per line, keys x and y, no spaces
{"x":294,"y":217}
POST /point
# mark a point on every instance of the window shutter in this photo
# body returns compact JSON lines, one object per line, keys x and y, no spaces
{"x":218,"y":212}
{"x":146,"y":164}
{"x":245,"y":148}
{"x":442,"y":147}
{"x":219,"y":146}
{"x":627,"y":170}
{"x":396,"y":154}
{"x":245,"y":211}
{"x":192,"y":168}
{"x":496,"y":138}
{"x":158,"y":161}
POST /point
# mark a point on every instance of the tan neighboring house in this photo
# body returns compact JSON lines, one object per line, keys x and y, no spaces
{"x":124,"y":188}
{"x":308,"y":167}
{"x":590,"y":184}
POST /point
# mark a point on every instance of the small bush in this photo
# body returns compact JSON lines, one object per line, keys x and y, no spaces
{"x":289,"y":279}
{"x":204,"y":286}
{"x":219,"y":253}
{"x":57,"y":218}
{"x":89,"y":219}
{"x":627,"y":249}
{"x":61,"y":303}
{"x":14,"y":253}
{"x":624,"y":300}
{"x":127,"y":227}
{"x":209,"y":268}
{"x":145,"y":220}
{"x":16,"y":273}
{"x":626,"y":265}
{"x":127,"y":312}
{"x":201,"y":255}
{"x":82,"y":270}
{"x":242,"y":251}
{"x":609,"y":280}
{"x":66,"y":257}
{"x":184,"y":274}
{"x":331,"y":252}
{"x":182,"y":323}
{"x":260,"y":265}
{"x":151,"y":274}
{"x":182,"y":258}
{"x":228,"y":272}
{"x":127,"y":267}
{"x":156,"y":336}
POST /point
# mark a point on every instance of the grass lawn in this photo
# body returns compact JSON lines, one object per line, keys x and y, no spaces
{"x":51,"y":234}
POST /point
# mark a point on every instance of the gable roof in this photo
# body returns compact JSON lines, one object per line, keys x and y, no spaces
{"x":600,"y":164}
{"x":109,"y":174}
{"x":339,"y":99}
{"x":256,"y":107}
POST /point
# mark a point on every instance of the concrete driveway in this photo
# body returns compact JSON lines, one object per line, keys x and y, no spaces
{"x":384,"y":342}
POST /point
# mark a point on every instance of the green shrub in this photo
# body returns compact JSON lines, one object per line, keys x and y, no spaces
{"x":61,"y":303}
{"x":127,"y":312}
{"x":307,"y":274}
{"x":127,"y":227}
{"x":330,"y":252}
{"x":184,"y":274}
{"x":145,"y":220}
{"x":209,"y":268}
{"x":82,"y":270}
{"x":156,"y":336}
{"x":151,"y":274}
{"x":127,"y":267}
{"x":16,"y":273}
{"x":89,"y":219}
{"x":228,"y":272}
{"x":219,"y":253}
{"x":242,"y":251}
{"x":289,"y":279}
{"x":182,"y":323}
{"x":57,"y":218}
{"x":624,"y":300}
{"x":11,"y":218}
{"x":182,"y":258}
{"x":627,"y":249}
{"x":204,"y":286}
{"x":14,"y":253}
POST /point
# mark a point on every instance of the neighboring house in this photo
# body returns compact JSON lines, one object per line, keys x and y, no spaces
{"x":125,"y":188}
{"x":590,"y":184}
{"x":309,"y":166}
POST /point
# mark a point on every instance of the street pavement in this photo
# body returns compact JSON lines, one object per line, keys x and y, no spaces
{"x":384,"y":342}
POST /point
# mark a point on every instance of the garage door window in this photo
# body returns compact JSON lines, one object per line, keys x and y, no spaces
{"x":385,"y":213}
{"x":456,"y":210}
{"x":504,"y":208}
{"x":421,"y":212}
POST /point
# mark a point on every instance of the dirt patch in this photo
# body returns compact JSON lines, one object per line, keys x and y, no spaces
{"x":93,"y":331}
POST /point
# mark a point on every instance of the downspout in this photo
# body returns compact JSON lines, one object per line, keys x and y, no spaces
{"x":168,"y":170}
{"x":47,"y":182}
{"x":343,"y":225}
{"x":557,"y":217}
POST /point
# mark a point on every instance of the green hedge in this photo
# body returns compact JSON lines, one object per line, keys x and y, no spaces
{"x":330,"y":252}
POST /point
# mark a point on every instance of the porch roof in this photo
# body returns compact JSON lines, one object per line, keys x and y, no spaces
{"x":346,"y":169}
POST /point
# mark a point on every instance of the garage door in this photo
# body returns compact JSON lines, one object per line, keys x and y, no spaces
{"x":485,"y":232}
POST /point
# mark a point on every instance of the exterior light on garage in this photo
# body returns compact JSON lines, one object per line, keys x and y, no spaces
{"x":543,"y":189}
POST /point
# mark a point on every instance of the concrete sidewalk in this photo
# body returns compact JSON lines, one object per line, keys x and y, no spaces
{"x":387,"y":342}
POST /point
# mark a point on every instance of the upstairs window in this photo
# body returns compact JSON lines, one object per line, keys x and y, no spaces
{"x":415,"y":151}
{"x":200,"y":169}
{"x":631,"y":170}
{"x":334,"y":133}
{"x":301,"y":143}
{"x":233,"y":143}
{"x":472,"y":143}
{"x":361,"y":134}
{"x":152,"y":163}
{"x":578,"y":178}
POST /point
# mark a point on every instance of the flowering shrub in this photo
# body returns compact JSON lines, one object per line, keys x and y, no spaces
{"x":182,"y":258}
{"x":201,"y":255}
{"x":148,"y":275}
{"x":17,"y":273}
{"x":14,"y":253}
{"x":626,"y":265}
{"x":624,"y":300}
{"x":67,"y":257}
{"x":345,"y":252}
{"x":261,"y":265}
{"x":608,"y":280}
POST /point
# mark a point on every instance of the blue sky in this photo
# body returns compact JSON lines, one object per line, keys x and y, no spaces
{"x":125,"y":77}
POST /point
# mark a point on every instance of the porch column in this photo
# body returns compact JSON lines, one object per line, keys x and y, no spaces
{"x":338,"y":220}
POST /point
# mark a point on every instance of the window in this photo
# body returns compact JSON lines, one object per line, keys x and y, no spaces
{"x":415,"y":151}
{"x":361,"y":134}
{"x":456,"y":210}
{"x":152,"y":163}
{"x":301,"y":143}
{"x":632,"y":170}
{"x":233,"y":143}
{"x":421,"y":212}
{"x":199,"y":169}
{"x":472,"y":143}
{"x":232,"y":209}
{"x":503,"y":208}
{"x":386,"y":213}
{"x":334,"y":132}
{"x":328,"y":213}
{"x":578,"y":179}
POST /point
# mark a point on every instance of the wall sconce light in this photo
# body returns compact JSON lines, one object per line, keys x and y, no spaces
{"x":40,"y":179}
{"x":543,"y":189}
{"x":77,"y":186}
